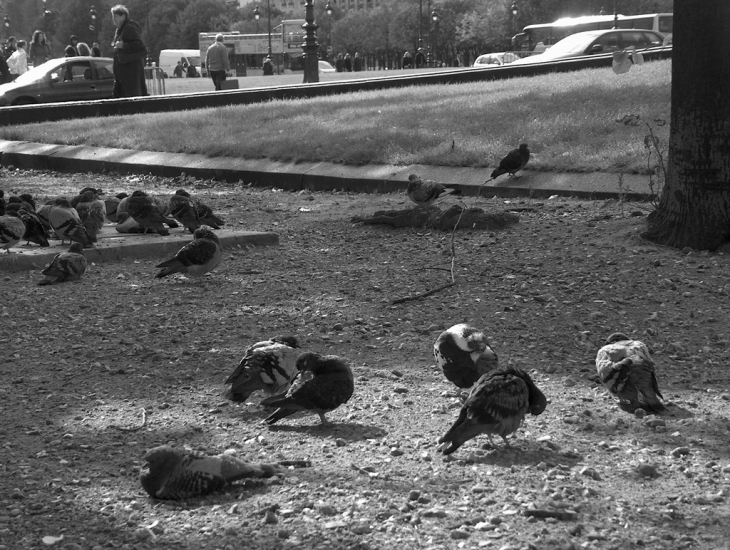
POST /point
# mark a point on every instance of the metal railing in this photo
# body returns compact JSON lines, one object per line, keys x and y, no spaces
{"x":155,"y":78}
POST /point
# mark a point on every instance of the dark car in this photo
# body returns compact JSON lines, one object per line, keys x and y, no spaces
{"x":63,"y":79}
{"x":595,"y":42}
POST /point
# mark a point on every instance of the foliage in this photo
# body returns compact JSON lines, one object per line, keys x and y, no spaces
{"x":198,"y":16}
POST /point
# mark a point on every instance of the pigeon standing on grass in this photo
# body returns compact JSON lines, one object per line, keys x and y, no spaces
{"x":269,"y":365}
{"x":198,"y":257}
{"x":515,"y":161}
{"x":424,"y":193}
{"x":177,"y":474}
{"x":627,"y":371}
{"x":497,"y":405}
{"x":324,"y":383}
{"x":464,"y":354}
{"x":66,"y":266}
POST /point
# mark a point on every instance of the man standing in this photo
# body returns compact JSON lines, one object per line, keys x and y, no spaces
{"x":216,"y":59}
{"x":129,"y":55}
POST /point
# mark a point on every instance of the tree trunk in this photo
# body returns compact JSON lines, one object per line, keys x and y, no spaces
{"x":694,"y":209}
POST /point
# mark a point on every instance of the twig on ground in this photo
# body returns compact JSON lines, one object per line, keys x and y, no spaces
{"x":421,"y":295}
{"x":134,"y":429}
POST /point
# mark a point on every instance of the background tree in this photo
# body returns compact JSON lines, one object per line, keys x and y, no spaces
{"x":694,"y":209}
{"x":198,"y":16}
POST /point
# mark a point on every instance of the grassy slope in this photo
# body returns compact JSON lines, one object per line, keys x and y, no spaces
{"x":567,"y":119}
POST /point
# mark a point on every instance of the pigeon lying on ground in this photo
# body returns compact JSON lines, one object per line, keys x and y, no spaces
{"x":464,"y":354}
{"x":324,"y":383}
{"x":147,"y":213}
{"x":269,"y":365}
{"x":497,"y":404}
{"x":205,"y":213}
{"x":66,"y":266}
{"x":424,"y":193}
{"x":35,"y":231}
{"x":198,"y":257}
{"x":178,"y":474}
{"x":515,"y":161}
{"x":627,"y":371}
{"x":66,"y":223}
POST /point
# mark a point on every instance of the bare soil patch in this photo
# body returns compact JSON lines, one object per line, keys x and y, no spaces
{"x":81,"y":360}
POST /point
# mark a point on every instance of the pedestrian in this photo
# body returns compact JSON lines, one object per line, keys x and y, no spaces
{"x":74,"y":43}
{"x":40,"y":51}
{"x":18,"y":61}
{"x":192,"y":71}
{"x":9,"y":47}
{"x":420,"y":59}
{"x":407,"y":60}
{"x":357,"y":63}
{"x":216,"y":59}
{"x":340,"y":63}
{"x":348,"y":63}
{"x":4,"y":71}
{"x":178,"y":72}
{"x":268,"y":66}
{"x":83,"y":49}
{"x":95,"y":50}
{"x":70,"y":51}
{"x":129,"y":55}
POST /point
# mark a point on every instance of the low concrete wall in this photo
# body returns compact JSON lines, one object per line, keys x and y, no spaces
{"x":178,"y":102}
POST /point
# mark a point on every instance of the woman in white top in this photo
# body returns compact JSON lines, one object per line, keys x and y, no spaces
{"x":18,"y":62}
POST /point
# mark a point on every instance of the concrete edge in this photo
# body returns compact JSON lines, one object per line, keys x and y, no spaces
{"x":160,"y":248}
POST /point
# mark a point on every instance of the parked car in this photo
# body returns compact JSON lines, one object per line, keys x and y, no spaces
{"x":495,"y":59}
{"x":62,"y":79}
{"x":325,"y":67}
{"x":594,"y":42}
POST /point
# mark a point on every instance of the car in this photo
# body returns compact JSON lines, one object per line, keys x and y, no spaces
{"x":325,"y":67}
{"x":495,"y":59}
{"x":61,"y":79}
{"x":595,"y":42}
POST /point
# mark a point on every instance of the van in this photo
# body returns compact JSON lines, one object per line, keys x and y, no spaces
{"x":169,"y":59}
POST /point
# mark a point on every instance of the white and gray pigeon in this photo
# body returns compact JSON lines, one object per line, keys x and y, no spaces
{"x":463,"y":353}
{"x":177,"y":474}
{"x":627,"y":371}
{"x":425,"y":193}
{"x":269,"y":365}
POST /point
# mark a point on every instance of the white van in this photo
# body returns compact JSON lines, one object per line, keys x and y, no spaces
{"x":169,"y":59}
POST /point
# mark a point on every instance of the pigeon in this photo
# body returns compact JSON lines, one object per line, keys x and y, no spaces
{"x":66,"y":223}
{"x":162,"y":205}
{"x":12,"y":227}
{"x":177,"y":474}
{"x":35,"y":231}
{"x":269,"y":365}
{"x":92,"y":211}
{"x":324,"y":383}
{"x":464,"y":354}
{"x":80,"y":197}
{"x":627,"y":371}
{"x":497,"y":404}
{"x":182,"y":208}
{"x":24,"y":200}
{"x":126,"y":224}
{"x":424,"y":193}
{"x":198,"y":257}
{"x":205,"y":213}
{"x":67,"y":266}
{"x":147,"y":213}
{"x":515,"y":161}
{"x":111,"y":204}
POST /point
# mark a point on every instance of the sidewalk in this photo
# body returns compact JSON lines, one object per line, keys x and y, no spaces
{"x":318,"y":176}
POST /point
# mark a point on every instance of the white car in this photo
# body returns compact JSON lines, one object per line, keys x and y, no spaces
{"x":595,"y":42}
{"x":495,"y":59}
{"x":325,"y":67}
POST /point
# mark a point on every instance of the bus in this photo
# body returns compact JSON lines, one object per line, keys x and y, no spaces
{"x":547,"y":34}
{"x":249,"y":50}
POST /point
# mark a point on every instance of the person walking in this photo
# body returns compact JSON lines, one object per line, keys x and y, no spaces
{"x":357,"y":63}
{"x":39,"y":51}
{"x":407,"y":60}
{"x":268,"y":67}
{"x":4,"y":71}
{"x":129,"y":55}
{"x":18,"y":62}
{"x":216,"y":59}
{"x":95,"y":50}
{"x":10,"y":46}
{"x":178,"y":71}
{"x":348,"y":63}
{"x":74,"y":44}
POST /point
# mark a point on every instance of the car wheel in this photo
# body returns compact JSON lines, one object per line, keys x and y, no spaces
{"x":24,"y":101}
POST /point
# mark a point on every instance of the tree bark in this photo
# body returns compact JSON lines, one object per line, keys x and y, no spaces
{"x":694,"y":209}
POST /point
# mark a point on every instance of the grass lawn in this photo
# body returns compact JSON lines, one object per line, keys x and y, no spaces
{"x":568,"y":119}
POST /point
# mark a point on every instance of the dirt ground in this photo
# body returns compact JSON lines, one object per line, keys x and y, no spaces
{"x":81,"y":360}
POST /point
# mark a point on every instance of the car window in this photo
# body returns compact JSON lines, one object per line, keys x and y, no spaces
{"x":609,"y":42}
{"x":76,"y":71}
{"x":637,"y":39}
{"x":104,"y":70}
{"x":653,"y":39}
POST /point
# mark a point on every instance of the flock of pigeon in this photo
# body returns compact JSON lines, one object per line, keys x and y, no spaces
{"x":81,"y":219}
{"x":499,"y":398}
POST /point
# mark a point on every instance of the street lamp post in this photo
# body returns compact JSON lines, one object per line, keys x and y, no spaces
{"x":7,"y":26}
{"x":256,"y":15}
{"x":513,"y":9}
{"x":429,"y":58}
{"x":45,"y":19}
{"x":268,"y":17}
{"x":311,"y":63}
{"x":615,"y":15}
{"x":328,"y":10}
{"x":92,"y":27}
{"x":420,"y":25}
{"x":435,"y":19}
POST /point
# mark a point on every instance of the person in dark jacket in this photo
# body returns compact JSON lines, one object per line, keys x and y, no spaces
{"x":40,"y":50}
{"x":348,"y":63}
{"x":129,"y":55}
{"x":357,"y":63}
{"x":4,"y":71}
